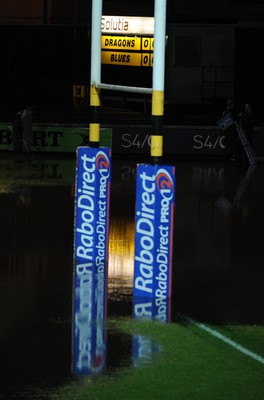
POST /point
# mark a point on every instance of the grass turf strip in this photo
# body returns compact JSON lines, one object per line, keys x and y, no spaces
{"x":227,"y":340}
{"x":191,"y":364}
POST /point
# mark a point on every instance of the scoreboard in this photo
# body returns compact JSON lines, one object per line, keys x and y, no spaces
{"x":132,"y":43}
{"x":125,"y":50}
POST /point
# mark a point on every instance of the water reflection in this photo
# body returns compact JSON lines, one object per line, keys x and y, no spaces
{"x":155,"y":308}
{"x":144,"y":349}
{"x":89,"y":327}
{"x":91,"y":336}
{"x":217,"y":205}
{"x":218,"y":270}
{"x":243,"y":184}
{"x":121,"y":247}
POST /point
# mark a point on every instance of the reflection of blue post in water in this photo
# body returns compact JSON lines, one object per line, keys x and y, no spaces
{"x":91,"y":233}
{"x":156,"y":309}
{"x":88,"y":327}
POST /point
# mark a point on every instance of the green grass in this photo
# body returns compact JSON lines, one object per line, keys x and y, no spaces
{"x":251,"y":337}
{"x":192,"y":364}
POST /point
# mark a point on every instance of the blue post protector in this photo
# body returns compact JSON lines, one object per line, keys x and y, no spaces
{"x":155,"y":197}
{"x":91,"y":236}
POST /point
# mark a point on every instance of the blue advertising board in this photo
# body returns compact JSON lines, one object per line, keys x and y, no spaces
{"x":91,"y":215}
{"x":155,"y":197}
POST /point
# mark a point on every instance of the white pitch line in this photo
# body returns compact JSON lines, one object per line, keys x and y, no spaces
{"x":225,"y":339}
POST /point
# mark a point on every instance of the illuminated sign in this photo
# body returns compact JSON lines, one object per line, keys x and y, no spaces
{"x":122,"y":26}
{"x":124,"y":58}
{"x":128,"y":25}
{"x":147,"y":60}
{"x":118,"y":58}
{"x":127,"y":43}
{"x":147,"y":44}
{"x":121,"y":42}
{"x":131,"y":44}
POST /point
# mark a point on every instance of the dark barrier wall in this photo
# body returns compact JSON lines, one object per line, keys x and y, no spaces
{"x":178,"y":140}
{"x":129,"y":139}
{"x":39,"y":65}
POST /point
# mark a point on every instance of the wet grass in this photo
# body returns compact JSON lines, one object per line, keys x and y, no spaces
{"x":191,"y":364}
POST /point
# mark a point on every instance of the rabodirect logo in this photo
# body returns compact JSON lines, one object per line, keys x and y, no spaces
{"x":164,"y":180}
{"x":102,"y":161}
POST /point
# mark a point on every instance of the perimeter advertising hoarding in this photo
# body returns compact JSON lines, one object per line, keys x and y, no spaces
{"x":55,"y":138}
{"x":91,"y":235}
{"x":131,"y":139}
{"x":193,"y":140}
{"x":155,"y":196}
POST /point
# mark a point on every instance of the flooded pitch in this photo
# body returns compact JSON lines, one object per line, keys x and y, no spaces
{"x":218,"y":270}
